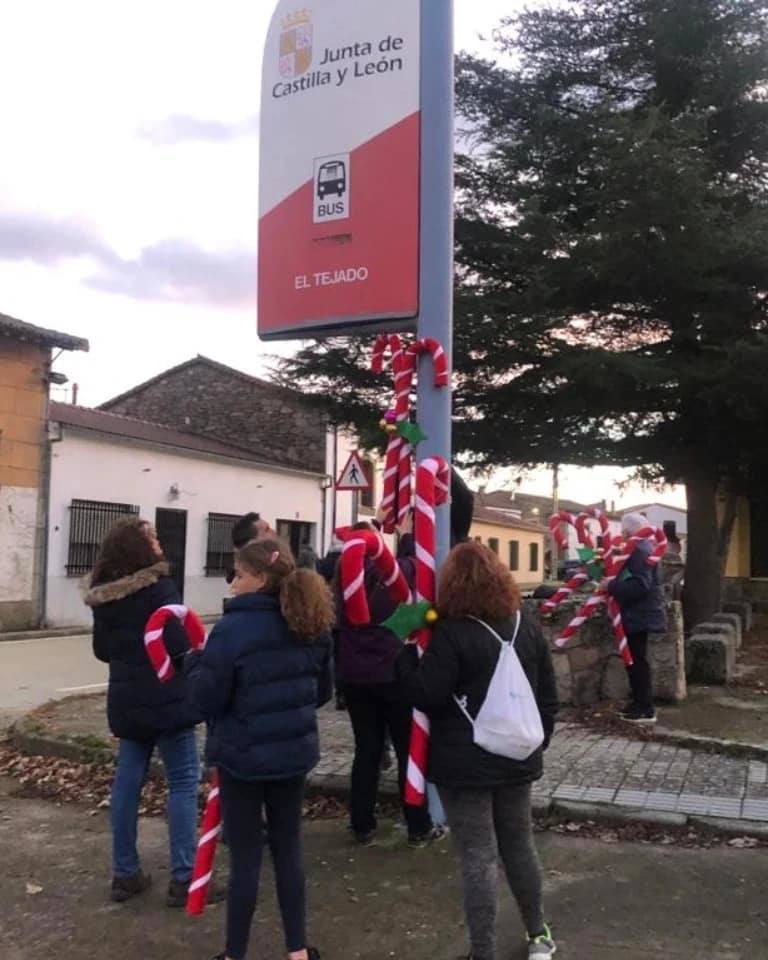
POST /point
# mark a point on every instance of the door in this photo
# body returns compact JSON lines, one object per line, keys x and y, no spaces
{"x":296,"y":534}
{"x":171,"y":526}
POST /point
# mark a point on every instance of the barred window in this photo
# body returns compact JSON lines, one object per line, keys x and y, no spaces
{"x":534,"y":557}
{"x":219,"y":555}
{"x":89,"y":522}
{"x":514,"y":554}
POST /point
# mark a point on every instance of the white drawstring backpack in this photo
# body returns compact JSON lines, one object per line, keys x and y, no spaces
{"x":508,"y":722}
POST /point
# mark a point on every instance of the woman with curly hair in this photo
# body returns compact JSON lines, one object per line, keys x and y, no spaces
{"x":265,"y":670}
{"x":487,"y":797}
{"x":130,"y":581}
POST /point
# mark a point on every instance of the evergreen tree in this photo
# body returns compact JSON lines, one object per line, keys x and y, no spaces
{"x":612,"y":255}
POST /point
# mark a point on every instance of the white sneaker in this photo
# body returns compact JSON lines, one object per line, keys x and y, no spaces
{"x":543,"y":946}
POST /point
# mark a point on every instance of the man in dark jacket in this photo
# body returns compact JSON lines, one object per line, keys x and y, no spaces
{"x":638,"y":592}
{"x":366,"y":673}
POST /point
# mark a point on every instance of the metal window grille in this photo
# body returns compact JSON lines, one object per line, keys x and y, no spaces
{"x":89,"y":522}
{"x":219,"y":555}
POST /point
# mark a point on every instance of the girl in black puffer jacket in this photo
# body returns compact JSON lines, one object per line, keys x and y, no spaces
{"x":487,"y":797}
{"x":130,"y":581}
{"x":264,"y":671}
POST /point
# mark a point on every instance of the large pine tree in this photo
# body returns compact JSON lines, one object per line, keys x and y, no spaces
{"x":612,"y":255}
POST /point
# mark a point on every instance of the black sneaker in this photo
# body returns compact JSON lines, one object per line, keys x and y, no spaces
{"x":123,"y":888}
{"x":178,"y":893}
{"x":635,"y":714}
{"x":313,"y":953}
{"x":365,"y":839}
{"x":434,"y":835}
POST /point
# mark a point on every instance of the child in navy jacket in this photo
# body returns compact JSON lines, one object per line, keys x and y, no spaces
{"x":265,"y":670}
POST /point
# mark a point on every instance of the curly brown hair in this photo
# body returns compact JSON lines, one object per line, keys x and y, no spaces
{"x":124,"y":550}
{"x":305,"y":599}
{"x":475,"y":583}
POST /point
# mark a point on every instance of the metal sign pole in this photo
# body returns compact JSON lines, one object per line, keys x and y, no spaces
{"x":436,"y":251}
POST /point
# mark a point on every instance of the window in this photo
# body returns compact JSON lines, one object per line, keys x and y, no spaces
{"x":534,"y":564}
{"x":514,"y":554}
{"x":493,"y":544}
{"x":296,"y":534}
{"x":367,"y":497}
{"x":89,"y":522}
{"x":219,"y":552}
{"x":478,"y":539}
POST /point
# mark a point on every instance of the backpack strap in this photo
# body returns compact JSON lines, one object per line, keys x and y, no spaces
{"x":490,"y":629}
{"x":502,"y":641}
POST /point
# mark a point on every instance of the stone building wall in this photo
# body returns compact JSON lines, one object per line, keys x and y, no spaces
{"x":212,"y":400}
{"x":589,"y":668}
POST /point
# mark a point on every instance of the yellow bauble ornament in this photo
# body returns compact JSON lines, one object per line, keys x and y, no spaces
{"x":431,"y":616}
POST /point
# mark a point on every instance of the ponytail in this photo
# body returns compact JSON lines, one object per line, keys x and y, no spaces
{"x":306,"y":604}
{"x":305,"y":598}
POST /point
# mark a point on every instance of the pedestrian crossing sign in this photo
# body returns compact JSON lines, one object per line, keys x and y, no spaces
{"x":354,"y":476}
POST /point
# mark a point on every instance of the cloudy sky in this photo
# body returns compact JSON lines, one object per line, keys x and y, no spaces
{"x":129,"y":177}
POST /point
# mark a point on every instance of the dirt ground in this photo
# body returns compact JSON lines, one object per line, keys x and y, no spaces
{"x":636,"y":901}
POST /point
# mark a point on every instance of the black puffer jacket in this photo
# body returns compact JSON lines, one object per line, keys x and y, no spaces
{"x":461,"y":660}
{"x":139,"y":706}
{"x":259,"y":687}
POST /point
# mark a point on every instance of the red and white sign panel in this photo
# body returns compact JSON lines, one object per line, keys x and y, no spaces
{"x":339,"y":168}
{"x":354,"y":476}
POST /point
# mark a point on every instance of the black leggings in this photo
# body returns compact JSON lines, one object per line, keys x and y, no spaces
{"x":242,"y":804}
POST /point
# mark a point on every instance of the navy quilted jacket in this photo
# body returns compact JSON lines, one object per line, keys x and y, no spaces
{"x":259,"y":686}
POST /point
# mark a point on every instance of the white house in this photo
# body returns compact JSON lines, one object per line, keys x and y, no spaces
{"x":193,"y":488}
{"x":673,"y":520}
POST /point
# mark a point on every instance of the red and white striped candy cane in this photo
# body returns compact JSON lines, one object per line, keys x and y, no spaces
{"x":433,"y":480}
{"x":439,"y":359}
{"x":153,"y":636}
{"x":582,"y":528}
{"x":202,"y":871}
{"x":576,"y":582}
{"x":555,"y":527}
{"x":357,"y":545}
{"x":396,"y":499}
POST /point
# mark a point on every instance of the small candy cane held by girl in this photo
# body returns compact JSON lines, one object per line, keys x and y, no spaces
{"x":357,"y":545}
{"x":153,"y":636}
{"x":433,"y":480}
{"x":210,"y":829}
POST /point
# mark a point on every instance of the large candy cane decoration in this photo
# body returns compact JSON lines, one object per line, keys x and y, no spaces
{"x":439,"y":359}
{"x":357,"y":545}
{"x":396,"y":500}
{"x":432,"y":490}
{"x":210,"y":829}
{"x":153,"y":636}
{"x":615,"y":563}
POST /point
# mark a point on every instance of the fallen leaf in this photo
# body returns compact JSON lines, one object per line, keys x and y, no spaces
{"x":33,"y":888}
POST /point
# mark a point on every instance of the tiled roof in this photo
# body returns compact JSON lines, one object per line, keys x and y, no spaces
{"x":503,"y":515}
{"x":115,"y":425}
{"x":21,"y":330}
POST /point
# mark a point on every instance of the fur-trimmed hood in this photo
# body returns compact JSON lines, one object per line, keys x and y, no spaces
{"x":125,"y":586}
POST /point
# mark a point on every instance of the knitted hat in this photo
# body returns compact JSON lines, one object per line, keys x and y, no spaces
{"x":631,"y":523}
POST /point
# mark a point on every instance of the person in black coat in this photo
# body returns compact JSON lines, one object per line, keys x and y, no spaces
{"x":487,"y":797}
{"x":265,"y":670}
{"x":365,"y":667}
{"x":638,"y":592}
{"x":130,"y":581}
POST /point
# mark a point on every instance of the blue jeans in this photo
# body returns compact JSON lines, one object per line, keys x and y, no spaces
{"x":182,"y":770}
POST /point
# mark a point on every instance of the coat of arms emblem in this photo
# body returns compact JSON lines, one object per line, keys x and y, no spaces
{"x":296,"y":44}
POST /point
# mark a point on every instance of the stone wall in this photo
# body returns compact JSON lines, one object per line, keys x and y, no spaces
{"x":211,"y":400}
{"x":750,"y":591}
{"x":589,"y":668}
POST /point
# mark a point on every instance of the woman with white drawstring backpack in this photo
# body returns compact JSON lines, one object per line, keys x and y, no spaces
{"x":487,"y":684}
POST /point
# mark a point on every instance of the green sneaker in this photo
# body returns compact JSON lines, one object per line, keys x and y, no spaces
{"x":542,"y":946}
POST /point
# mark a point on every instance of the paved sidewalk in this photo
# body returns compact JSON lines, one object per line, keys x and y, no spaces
{"x":591,"y":767}
{"x":620,"y":777}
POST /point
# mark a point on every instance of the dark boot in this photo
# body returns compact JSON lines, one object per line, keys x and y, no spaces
{"x":123,"y":888}
{"x":178,"y":893}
